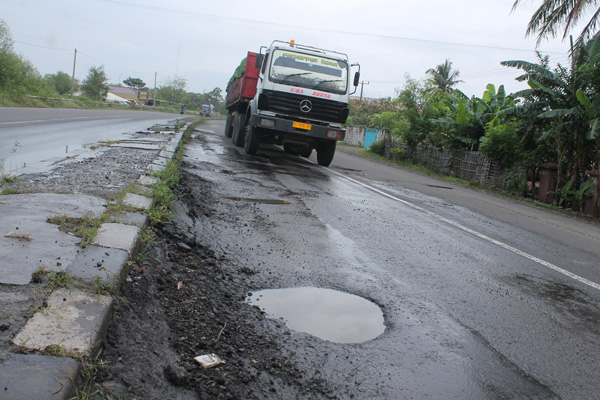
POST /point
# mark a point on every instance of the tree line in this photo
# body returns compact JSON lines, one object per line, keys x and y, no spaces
{"x":20,"y":81}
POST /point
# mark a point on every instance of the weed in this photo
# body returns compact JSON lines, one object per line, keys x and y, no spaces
{"x":106,"y":143}
{"x":38,"y":275}
{"x":55,"y":350}
{"x":89,"y":388}
{"x":147,"y":238}
{"x":60,"y":279}
{"x":99,"y":287}
{"x":8,"y":179}
{"x":84,"y":227}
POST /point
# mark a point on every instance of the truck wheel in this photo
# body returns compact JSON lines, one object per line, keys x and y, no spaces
{"x":228,"y":125}
{"x":252,"y":140}
{"x":325,"y":153}
{"x":290,"y":150}
{"x":238,"y":130}
{"x":306,"y":152}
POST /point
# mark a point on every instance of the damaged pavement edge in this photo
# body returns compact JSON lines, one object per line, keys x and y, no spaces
{"x":77,"y":321}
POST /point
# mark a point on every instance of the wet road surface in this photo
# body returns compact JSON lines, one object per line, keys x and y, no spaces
{"x":473,"y":307}
{"x":33,"y":139}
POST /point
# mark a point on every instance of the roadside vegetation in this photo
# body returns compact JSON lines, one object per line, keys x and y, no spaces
{"x":21,"y":85}
{"x":555,"y":121}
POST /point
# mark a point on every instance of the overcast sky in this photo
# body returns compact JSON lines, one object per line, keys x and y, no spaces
{"x":204,"y":41}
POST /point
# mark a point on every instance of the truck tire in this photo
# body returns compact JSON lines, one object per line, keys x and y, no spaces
{"x":238,"y":130}
{"x":228,"y":131}
{"x":325,"y":153}
{"x":306,"y":152}
{"x":252,"y":140}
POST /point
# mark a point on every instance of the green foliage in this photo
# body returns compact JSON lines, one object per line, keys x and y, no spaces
{"x":361,"y":112}
{"x":561,"y":107}
{"x":17,"y":76}
{"x":94,"y":85}
{"x":378,"y":147}
{"x":443,"y":77}
{"x":6,"y":40}
{"x":399,"y":154}
{"x":174,"y":92}
{"x":502,"y":144}
{"x":61,"y":82}
{"x":516,"y":182}
{"x":135,"y":83}
{"x":553,"y":15}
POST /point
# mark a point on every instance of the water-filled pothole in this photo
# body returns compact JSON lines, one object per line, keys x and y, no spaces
{"x":328,"y":314}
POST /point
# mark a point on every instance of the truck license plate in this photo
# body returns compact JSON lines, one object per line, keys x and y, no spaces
{"x":301,"y":125}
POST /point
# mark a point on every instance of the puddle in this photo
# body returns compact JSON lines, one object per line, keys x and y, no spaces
{"x":328,"y":314}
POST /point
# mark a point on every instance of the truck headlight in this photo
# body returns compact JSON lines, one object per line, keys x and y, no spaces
{"x":333,"y":134}
{"x":267,"y":123}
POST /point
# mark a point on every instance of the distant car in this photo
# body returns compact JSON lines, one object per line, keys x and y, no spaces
{"x":207,"y":110}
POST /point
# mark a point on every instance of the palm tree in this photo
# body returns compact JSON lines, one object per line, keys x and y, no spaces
{"x":553,"y":14}
{"x":443,"y":77}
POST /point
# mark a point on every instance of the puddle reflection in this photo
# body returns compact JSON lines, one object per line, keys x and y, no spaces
{"x":328,"y":314}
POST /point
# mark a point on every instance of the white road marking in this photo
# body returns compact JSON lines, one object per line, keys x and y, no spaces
{"x":477,"y":234}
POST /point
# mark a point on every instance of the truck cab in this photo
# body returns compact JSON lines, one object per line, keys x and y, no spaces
{"x":301,"y":100}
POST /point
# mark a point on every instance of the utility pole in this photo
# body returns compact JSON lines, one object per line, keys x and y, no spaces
{"x":154,"y":93}
{"x":73,"y":76}
{"x":362,"y":84}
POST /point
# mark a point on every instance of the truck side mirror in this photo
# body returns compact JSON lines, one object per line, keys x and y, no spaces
{"x":259,"y":60}
{"x":356,"y":78}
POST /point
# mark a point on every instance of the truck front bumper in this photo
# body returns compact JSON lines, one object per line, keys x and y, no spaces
{"x":297,"y":128}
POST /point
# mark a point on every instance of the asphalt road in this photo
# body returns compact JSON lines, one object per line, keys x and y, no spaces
{"x":482,"y":297}
{"x":33,"y":139}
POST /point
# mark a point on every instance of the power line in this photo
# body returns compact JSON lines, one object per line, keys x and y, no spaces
{"x":43,"y":47}
{"x":371,"y":35}
{"x":113,"y":66}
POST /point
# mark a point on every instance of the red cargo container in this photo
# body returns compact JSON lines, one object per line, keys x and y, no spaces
{"x":243,"y":88}
{"x":239,"y":94}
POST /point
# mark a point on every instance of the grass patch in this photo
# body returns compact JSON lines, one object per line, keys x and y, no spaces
{"x":84,"y":227}
{"x":164,"y":192}
{"x":8,"y":179}
{"x":105,"y":143}
{"x":418,"y":169}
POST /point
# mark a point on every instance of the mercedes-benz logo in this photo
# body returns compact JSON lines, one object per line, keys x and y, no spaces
{"x":305,"y":106}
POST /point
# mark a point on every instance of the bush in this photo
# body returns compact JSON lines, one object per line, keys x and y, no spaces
{"x":378,"y":147}
{"x":399,"y":154}
{"x":502,"y":144}
{"x":516,"y":182}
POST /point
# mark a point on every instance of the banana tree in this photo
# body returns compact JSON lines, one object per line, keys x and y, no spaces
{"x":556,"y":98}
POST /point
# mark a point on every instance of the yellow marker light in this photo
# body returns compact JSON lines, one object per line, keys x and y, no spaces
{"x":292,"y":43}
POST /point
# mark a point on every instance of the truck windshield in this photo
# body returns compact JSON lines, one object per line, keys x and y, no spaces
{"x":309,"y":71}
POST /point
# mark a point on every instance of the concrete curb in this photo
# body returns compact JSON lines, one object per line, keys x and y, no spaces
{"x":75,"y":322}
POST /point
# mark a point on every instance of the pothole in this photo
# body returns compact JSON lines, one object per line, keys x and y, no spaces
{"x":325,"y":313}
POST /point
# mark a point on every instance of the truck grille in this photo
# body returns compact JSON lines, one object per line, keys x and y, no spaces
{"x":289,"y":104}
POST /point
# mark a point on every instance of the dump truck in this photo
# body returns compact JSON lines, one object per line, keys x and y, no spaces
{"x":291,"y":95}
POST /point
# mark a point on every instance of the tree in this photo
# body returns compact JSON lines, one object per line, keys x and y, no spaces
{"x":135,"y":83}
{"x":443,"y":78}
{"x":94,"y":85}
{"x":557,"y":101}
{"x":6,"y":41}
{"x":60,"y":81}
{"x":552,"y":15}
{"x":173,"y":91}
